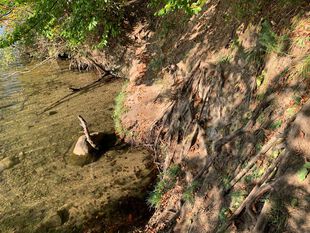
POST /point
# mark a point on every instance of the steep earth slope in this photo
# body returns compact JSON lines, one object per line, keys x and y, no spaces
{"x":222,"y":98}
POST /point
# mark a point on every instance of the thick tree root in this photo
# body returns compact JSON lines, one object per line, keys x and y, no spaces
{"x":261,"y":187}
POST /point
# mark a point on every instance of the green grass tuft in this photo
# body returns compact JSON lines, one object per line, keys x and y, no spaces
{"x":302,"y":69}
{"x":189,"y":193}
{"x":166,"y":182}
{"x":270,"y":41}
{"x":119,"y":111}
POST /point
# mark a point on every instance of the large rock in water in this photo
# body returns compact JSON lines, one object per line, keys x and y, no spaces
{"x":82,"y":147}
{"x":83,"y":153}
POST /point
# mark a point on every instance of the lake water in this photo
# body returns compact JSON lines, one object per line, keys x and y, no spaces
{"x":39,"y":190}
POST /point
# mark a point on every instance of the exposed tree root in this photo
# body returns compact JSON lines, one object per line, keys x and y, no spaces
{"x":261,"y":187}
{"x":275,"y":140}
{"x":262,"y":218}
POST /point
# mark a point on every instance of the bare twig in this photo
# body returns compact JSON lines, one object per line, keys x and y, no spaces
{"x":26,"y":71}
{"x":86,"y":132}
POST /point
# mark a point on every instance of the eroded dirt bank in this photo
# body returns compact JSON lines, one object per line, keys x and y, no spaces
{"x":223,"y":96}
{"x":40,"y":190}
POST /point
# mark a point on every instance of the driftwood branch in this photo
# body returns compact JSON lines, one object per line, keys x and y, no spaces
{"x":86,"y":132}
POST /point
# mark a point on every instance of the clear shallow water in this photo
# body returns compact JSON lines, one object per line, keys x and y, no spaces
{"x":39,"y":190}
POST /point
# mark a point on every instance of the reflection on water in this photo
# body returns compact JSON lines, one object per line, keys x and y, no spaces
{"x":38,"y":126}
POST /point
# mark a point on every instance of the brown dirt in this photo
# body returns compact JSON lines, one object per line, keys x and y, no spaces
{"x":194,"y":97}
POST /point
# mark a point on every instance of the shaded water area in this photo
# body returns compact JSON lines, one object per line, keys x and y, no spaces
{"x":39,"y":190}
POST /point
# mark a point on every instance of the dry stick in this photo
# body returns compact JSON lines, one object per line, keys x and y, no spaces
{"x":26,"y":71}
{"x":86,"y":132}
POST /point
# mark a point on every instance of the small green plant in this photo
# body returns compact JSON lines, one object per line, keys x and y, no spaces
{"x":119,"y":111}
{"x":223,"y":215}
{"x":235,"y":44}
{"x":166,"y":182}
{"x":297,"y":99}
{"x":274,"y":154}
{"x":291,"y":111}
{"x":294,"y":202}
{"x":304,"y":171}
{"x":301,"y":41}
{"x":254,"y":56}
{"x":270,"y":41}
{"x":260,"y":78}
{"x":225,"y":59}
{"x":156,"y":63}
{"x":237,"y":198}
{"x":257,"y":173}
{"x":276,"y":124}
{"x":302,"y":69}
{"x":189,"y":192}
{"x":261,"y":118}
{"x":226,"y":182}
{"x":168,"y":6}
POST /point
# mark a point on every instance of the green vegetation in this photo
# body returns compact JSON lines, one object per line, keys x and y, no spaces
{"x":245,"y":8}
{"x":72,"y":21}
{"x":156,"y":63}
{"x":168,"y":6}
{"x":225,"y":59}
{"x":260,"y":78}
{"x":294,"y":202}
{"x":237,"y":198}
{"x":274,"y":154}
{"x":270,"y":41}
{"x":119,"y":111}
{"x":276,"y":124}
{"x":297,"y":99}
{"x":223,"y":215}
{"x":226,"y":182}
{"x":291,"y":111}
{"x":256,"y":174}
{"x":304,"y":171}
{"x":302,"y":69}
{"x":8,"y":56}
{"x":166,"y":182}
{"x":189,"y":193}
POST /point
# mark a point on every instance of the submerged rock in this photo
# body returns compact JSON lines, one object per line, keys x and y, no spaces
{"x":83,"y":153}
{"x":8,"y":163}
